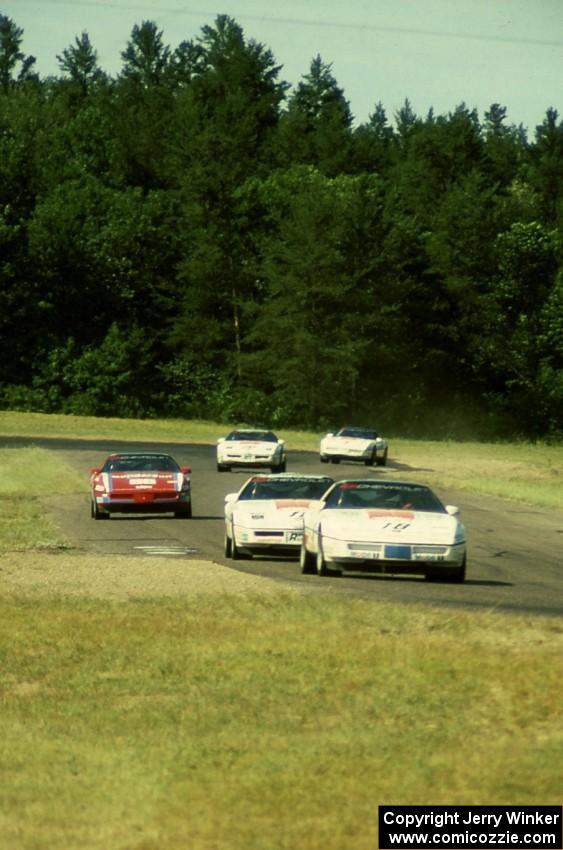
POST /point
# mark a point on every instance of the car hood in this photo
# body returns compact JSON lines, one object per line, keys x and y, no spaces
{"x":248,"y":445}
{"x":389,"y":526}
{"x":275,"y":513}
{"x":343,"y":443}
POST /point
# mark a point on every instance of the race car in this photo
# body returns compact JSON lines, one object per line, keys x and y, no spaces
{"x":251,"y":448}
{"x":140,"y":482}
{"x":381,"y":526}
{"x":362,"y":444}
{"x":267,"y":513}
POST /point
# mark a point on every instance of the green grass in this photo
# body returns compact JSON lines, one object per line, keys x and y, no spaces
{"x":225,"y":721}
{"x":27,"y":475}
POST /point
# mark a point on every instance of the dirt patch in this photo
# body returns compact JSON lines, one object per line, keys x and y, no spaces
{"x":121,"y":576}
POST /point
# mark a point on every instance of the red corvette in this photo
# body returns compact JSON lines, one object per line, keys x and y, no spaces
{"x":140,"y":483}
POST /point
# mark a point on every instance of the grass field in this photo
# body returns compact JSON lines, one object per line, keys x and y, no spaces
{"x":205,"y":718}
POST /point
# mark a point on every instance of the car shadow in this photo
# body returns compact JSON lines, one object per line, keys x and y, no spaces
{"x":474,"y":582}
{"x":151,"y":517}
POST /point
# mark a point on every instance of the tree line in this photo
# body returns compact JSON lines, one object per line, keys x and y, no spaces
{"x":193,"y":237}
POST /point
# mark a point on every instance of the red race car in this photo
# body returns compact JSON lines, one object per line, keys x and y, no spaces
{"x":140,"y":482}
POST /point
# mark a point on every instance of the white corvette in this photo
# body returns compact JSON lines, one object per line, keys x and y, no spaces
{"x":382,"y":526}
{"x":267,"y":513}
{"x":362,"y":444}
{"x":251,"y":448}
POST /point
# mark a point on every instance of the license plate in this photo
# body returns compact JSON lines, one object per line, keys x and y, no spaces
{"x":367,"y":555}
{"x":143,"y":497}
{"x":398,"y":553}
{"x":293,"y":536}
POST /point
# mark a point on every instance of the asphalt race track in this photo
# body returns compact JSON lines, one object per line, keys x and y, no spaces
{"x":515,"y":553}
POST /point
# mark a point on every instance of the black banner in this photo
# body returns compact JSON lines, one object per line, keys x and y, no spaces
{"x":470,"y":827}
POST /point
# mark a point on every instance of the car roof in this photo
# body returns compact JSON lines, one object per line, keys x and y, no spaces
{"x":276,"y":476}
{"x":393,"y":482}
{"x":138,"y":454}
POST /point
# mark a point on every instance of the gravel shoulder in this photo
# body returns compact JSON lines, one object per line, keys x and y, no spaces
{"x":121,"y":577}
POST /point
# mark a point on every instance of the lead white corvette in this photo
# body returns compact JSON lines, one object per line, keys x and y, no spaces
{"x":267,"y":513}
{"x":363,"y":444}
{"x":376,"y":525}
{"x":244,"y":447}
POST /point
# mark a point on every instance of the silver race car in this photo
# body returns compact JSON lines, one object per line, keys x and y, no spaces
{"x":267,"y":513}
{"x":382,"y":526}
{"x":363,"y":444}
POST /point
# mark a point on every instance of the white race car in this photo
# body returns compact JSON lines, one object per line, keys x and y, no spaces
{"x":362,"y":444}
{"x":267,"y":513}
{"x":251,"y":448}
{"x":376,"y":525}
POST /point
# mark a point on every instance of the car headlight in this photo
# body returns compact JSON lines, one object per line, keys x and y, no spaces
{"x":459,"y":534}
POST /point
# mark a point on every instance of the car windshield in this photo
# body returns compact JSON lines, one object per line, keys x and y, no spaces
{"x":386,"y":495}
{"x":361,"y":433}
{"x":265,"y":436}
{"x":285,"y":488}
{"x":141,"y":463}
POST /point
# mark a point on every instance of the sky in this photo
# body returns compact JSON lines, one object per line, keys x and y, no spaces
{"x":436,"y":53}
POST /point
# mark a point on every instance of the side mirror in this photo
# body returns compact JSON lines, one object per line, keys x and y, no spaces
{"x":220,"y":440}
{"x":281,"y":442}
{"x":95,"y":471}
{"x":185,"y":470}
{"x":230,"y":497}
{"x":452,"y":510}
{"x":330,"y":434}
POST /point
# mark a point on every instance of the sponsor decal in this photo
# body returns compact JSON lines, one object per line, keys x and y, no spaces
{"x":292,"y":503}
{"x":381,"y":513}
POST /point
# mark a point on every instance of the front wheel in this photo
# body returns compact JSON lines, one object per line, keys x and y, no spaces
{"x":382,"y":461}
{"x":324,"y":459}
{"x":228,"y":546}
{"x":222,"y":467}
{"x":236,"y":553}
{"x":322,"y":569}
{"x":455,"y":576}
{"x":306,"y":561}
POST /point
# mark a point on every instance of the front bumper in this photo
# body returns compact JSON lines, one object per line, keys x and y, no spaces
{"x":268,"y":538}
{"x":148,"y":503}
{"x":380,"y":557}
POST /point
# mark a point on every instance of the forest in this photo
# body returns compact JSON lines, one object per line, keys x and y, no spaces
{"x":193,"y":237}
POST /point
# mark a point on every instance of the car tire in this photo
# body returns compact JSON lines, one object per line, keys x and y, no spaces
{"x":228,"y":546}
{"x":221,"y":467}
{"x":236,"y":553}
{"x":307,"y":561}
{"x":324,"y":459}
{"x":455,"y":576}
{"x":96,"y":513}
{"x":371,"y":460}
{"x":320,"y":563}
{"x":335,"y":460}
{"x":382,"y":461}
{"x":185,"y":513}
